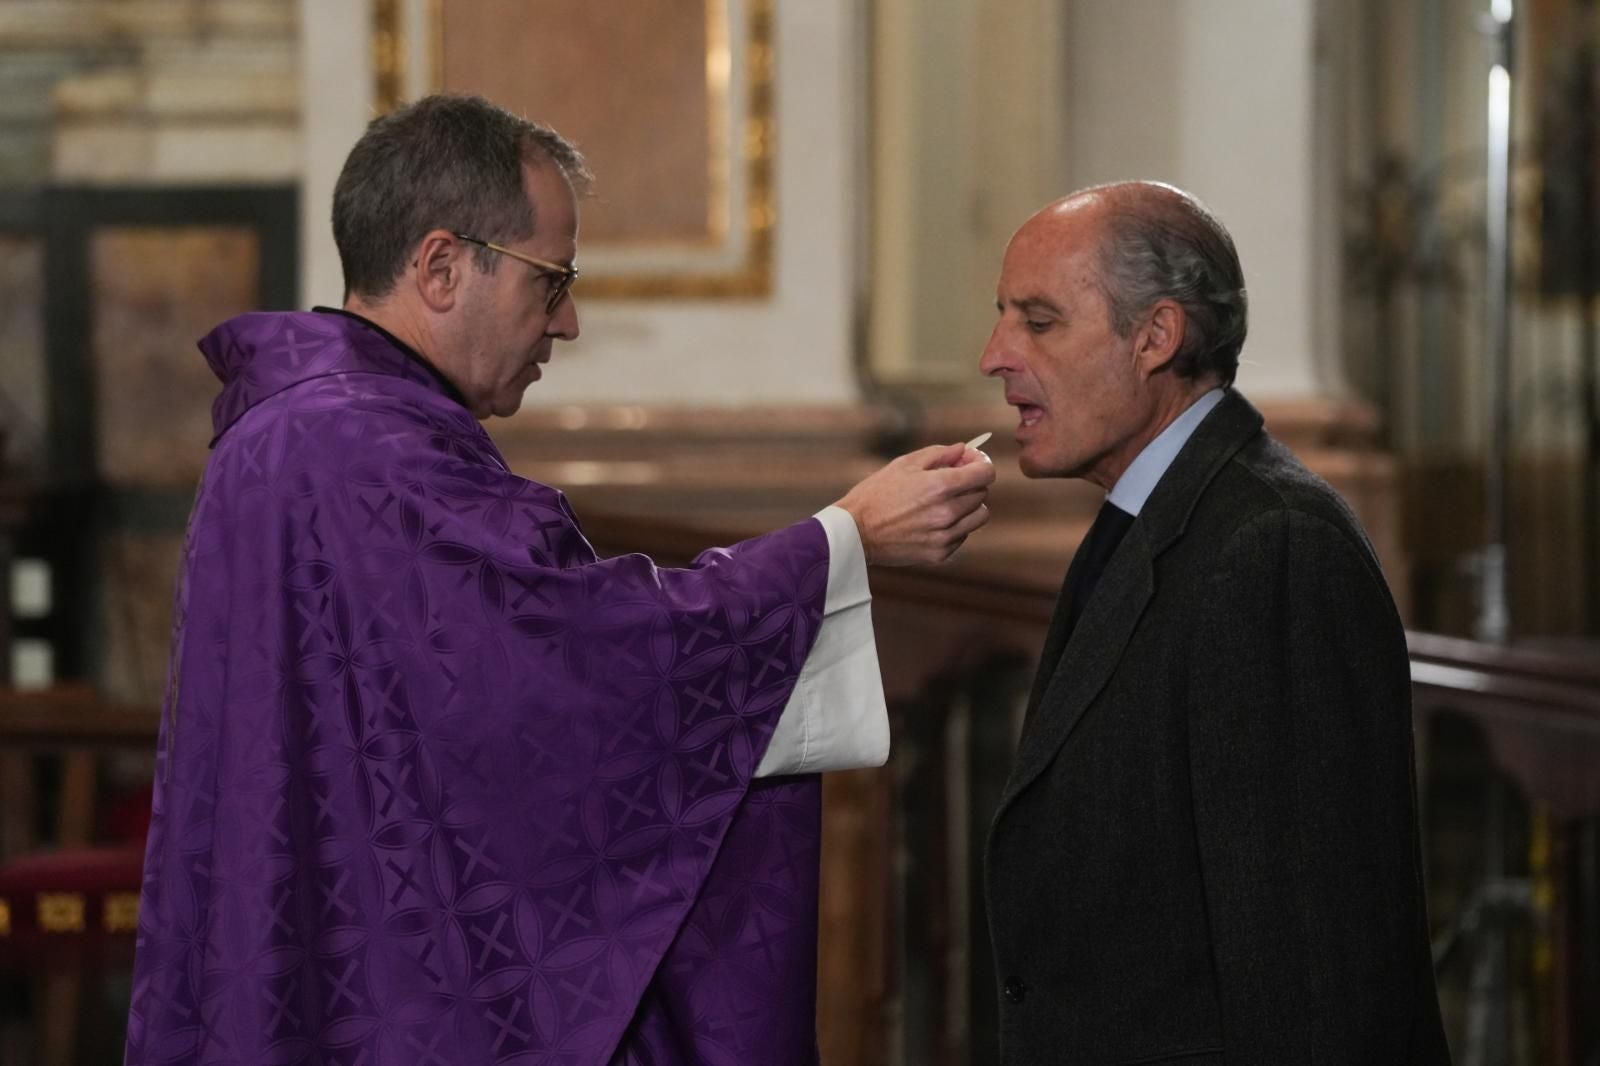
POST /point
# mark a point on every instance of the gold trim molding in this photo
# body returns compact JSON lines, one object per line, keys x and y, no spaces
{"x":388,"y":55}
{"x":60,"y":912}
{"x":121,"y":912}
{"x":752,"y":149}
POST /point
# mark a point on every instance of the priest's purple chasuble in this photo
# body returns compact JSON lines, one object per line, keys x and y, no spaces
{"x":438,"y":786}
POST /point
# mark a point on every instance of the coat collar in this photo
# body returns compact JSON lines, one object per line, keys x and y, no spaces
{"x":1060,"y":697}
{"x":1230,"y":425}
{"x":258,"y":355}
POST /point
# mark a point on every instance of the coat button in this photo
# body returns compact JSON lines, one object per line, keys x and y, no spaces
{"x":1014,"y":990}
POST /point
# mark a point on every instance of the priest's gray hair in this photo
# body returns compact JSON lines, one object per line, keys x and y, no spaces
{"x":444,"y":162}
{"x":1160,"y":243}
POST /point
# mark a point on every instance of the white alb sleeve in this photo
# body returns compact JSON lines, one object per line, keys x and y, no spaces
{"x":836,"y":719}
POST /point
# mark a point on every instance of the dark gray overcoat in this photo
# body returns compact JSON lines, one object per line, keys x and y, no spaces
{"x":1207,"y":851}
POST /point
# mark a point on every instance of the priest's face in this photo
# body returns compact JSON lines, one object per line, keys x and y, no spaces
{"x":508,"y":328}
{"x":1080,"y":399}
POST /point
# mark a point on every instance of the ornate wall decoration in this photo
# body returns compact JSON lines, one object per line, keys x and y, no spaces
{"x":675,"y":116}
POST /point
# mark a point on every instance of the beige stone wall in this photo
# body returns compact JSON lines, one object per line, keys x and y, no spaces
{"x":149,"y":91}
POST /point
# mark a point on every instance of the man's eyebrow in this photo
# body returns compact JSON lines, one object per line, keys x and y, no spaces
{"x":1029,"y":304}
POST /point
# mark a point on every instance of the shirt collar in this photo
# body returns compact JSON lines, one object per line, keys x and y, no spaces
{"x":1137,"y":482}
{"x":449,"y":387}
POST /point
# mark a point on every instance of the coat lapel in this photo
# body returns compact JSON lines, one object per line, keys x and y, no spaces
{"x":1063,"y":692}
{"x":1073,"y":671}
{"x":1055,"y":640}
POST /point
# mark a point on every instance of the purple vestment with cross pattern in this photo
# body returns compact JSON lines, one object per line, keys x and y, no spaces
{"x":438,"y":785}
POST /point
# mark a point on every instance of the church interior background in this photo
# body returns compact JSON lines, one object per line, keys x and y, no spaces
{"x":788,"y":274}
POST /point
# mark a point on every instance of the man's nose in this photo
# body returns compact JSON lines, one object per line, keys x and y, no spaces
{"x":564,"y":323}
{"x":996,"y":355}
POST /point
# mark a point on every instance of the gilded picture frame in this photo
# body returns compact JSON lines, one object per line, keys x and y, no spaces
{"x":711,"y":233}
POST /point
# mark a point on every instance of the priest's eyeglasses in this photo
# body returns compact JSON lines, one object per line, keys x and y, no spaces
{"x":561,"y":277}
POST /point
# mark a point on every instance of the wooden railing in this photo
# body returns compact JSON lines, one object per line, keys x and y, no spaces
{"x":905,"y":970}
{"x":1510,"y":773}
{"x":76,"y":728}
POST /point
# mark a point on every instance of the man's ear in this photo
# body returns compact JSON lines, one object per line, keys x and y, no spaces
{"x":1159,"y":339}
{"x":439,"y":267}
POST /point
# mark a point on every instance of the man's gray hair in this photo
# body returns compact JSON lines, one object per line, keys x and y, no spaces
{"x":1160,"y":243}
{"x":445,"y":162}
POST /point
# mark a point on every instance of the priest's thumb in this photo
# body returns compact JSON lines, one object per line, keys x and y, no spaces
{"x":940,"y":456}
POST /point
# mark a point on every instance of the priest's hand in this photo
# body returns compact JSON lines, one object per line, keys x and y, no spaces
{"x":921,"y":507}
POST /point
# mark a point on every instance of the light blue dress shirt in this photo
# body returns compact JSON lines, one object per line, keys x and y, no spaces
{"x":1137,"y":482}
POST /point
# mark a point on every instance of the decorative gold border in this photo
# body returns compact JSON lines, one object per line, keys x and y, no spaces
{"x":719,"y":160}
{"x":60,"y":912}
{"x":757,"y":144}
{"x":388,"y":56}
{"x":121,"y":912}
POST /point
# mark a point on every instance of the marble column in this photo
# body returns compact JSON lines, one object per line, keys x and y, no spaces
{"x":336,"y":92}
{"x":1227,"y":99}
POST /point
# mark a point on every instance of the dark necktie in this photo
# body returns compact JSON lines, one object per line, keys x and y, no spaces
{"x":1110,"y":525}
{"x":1087,"y":565}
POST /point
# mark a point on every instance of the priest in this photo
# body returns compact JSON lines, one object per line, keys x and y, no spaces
{"x":436,"y":784}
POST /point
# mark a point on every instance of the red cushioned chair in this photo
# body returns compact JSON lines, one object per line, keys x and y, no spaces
{"x":67,"y":911}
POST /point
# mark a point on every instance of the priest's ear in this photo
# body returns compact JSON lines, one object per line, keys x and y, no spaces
{"x":1159,"y":337}
{"x":441,"y":261}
